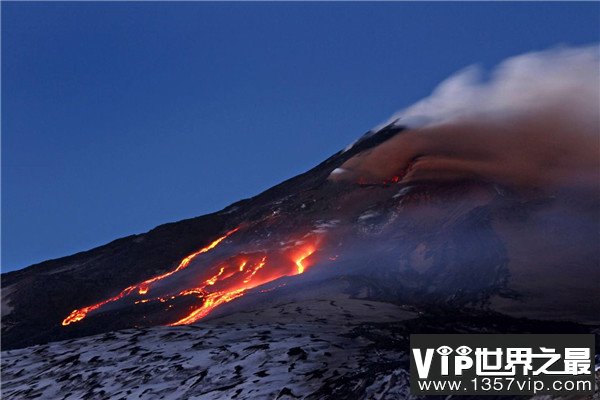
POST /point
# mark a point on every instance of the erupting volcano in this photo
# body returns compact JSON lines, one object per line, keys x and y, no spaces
{"x":478,"y":205}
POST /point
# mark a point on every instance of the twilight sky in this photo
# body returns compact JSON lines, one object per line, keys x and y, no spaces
{"x":122,"y":116}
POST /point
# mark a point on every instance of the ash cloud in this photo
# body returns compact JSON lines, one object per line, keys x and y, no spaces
{"x":533,"y":124}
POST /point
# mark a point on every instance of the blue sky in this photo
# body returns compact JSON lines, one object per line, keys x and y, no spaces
{"x":122,"y":116}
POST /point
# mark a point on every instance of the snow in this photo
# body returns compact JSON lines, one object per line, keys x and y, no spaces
{"x":295,"y":349}
{"x":368,"y":215}
{"x":324,"y":226}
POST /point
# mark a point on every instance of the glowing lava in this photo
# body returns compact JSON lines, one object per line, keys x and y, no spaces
{"x":223,"y":281}
{"x":254,"y":276}
{"x":144,"y":287}
{"x":298,"y":261}
{"x":211,"y":301}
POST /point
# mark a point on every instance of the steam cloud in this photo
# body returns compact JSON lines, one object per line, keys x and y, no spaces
{"x":534,"y":123}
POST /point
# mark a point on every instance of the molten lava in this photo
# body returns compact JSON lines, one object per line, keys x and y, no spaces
{"x":301,"y":257}
{"x":236,"y":279}
{"x":220,"y":282}
{"x":78,"y":315}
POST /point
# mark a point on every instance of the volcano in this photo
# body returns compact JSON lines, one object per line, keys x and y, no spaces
{"x":459,"y":245}
{"x":476,"y":210}
{"x":309,"y":290}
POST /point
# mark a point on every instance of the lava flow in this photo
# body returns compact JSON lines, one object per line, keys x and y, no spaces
{"x":142,"y":288}
{"x":244,"y":272}
{"x":220,"y":282}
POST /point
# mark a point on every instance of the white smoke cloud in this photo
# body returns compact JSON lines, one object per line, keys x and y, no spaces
{"x":557,"y":78}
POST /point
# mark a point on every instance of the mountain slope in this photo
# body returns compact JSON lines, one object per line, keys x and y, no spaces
{"x":37,"y":298}
{"x":328,"y":348}
{"x":463,"y":244}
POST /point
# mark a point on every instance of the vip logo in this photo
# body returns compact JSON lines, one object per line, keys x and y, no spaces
{"x":504,"y":362}
{"x":467,"y":364}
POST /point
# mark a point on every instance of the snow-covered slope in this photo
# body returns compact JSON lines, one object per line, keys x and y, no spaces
{"x":299,"y":349}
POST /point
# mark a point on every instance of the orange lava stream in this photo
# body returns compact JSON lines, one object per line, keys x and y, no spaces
{"x":211,"y":301}
{"x":298,"y":261}
{"x":223,"y":281}
{"x":251,"y":279}
{"x":143,"y":287}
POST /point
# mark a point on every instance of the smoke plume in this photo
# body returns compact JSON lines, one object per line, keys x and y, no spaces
{"x":533,"y":124}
